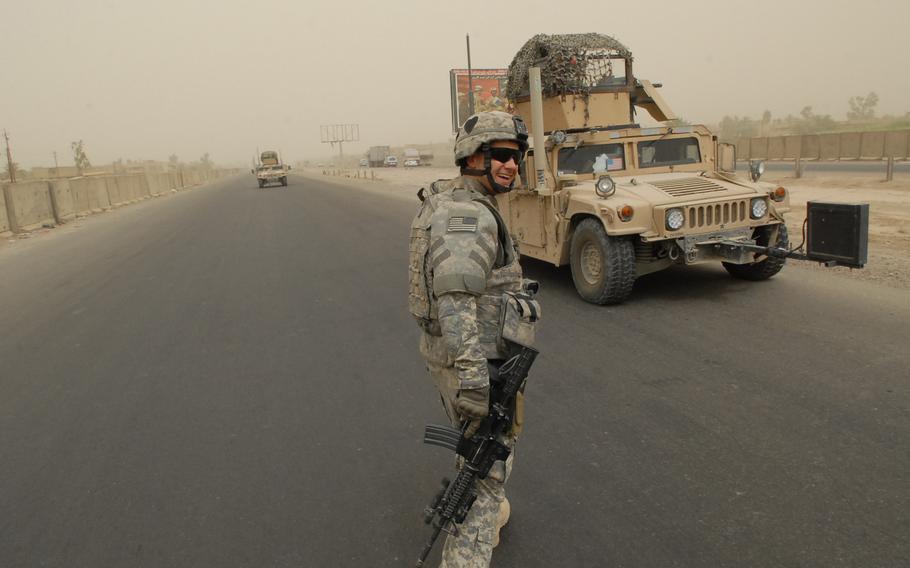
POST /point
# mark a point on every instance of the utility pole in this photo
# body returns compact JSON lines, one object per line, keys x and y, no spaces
{"x":56,"y":166}
{"x":9,"y":159}
{"x":470,"y":79}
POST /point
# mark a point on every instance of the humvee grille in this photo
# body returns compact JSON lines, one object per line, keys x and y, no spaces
{"x":687,"y":186}
{"x":717,"y":214}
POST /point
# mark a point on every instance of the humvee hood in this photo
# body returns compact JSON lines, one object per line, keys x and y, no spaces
{"x":684,"y":187}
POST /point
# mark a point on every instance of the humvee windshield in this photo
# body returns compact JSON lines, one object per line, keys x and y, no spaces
{"x":656,"y":153}
{"x":591,"y":159}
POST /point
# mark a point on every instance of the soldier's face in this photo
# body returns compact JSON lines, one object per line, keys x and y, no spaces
{"x":503,"y":172}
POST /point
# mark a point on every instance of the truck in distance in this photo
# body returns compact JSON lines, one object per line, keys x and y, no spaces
{"x":411,"y":157}
{"x":270,"y":169}
{"x":376,"y":156}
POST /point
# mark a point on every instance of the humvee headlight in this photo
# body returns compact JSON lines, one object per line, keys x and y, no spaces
{"x":605,"y":186}
{"x":675,"y":218}
{"x":759,"y":207}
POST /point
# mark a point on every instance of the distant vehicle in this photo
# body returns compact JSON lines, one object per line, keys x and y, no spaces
{"x":364,"y":163}
{"x":411,"y":155}
{"x":377,"y":155}
{"x":426,"y":156}
{"x":391,"y":162}
{"x":270,"y":169}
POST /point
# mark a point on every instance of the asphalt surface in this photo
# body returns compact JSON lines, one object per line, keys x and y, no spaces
{"x":228,"y":377}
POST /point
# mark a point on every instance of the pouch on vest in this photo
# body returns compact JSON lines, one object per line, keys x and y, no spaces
{"x":520,"y":313}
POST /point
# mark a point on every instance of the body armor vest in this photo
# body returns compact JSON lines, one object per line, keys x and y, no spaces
{"x":505,"y":276}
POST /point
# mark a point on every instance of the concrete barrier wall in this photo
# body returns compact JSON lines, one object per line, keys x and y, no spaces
{"x":62,"y":199}
{"x":124,"y":189}
{"x":897,"y":144}
{"x":834,"y":146}
{"x":28,"y":205}
{"x":157,"y":183}
{"x":810,"y":147}
{"x":4,"y":217}
{"x":89,"y":195}
{"x":829,"y":146}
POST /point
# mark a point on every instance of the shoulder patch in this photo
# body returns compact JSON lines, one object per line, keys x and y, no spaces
{"x":462,"y":224}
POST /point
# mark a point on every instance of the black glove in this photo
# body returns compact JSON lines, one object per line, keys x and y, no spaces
{"x":472,"y":405}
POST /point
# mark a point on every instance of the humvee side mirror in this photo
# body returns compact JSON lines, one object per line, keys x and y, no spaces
{"x":756,"y":169}
{"x":726,"y":157}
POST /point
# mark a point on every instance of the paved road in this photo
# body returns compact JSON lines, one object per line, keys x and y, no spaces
{"x":228,"y":377}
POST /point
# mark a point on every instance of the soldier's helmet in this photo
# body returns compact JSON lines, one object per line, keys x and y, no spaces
{"x":485,"y":127}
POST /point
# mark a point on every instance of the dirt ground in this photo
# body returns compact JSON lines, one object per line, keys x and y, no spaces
{"x":889,"y":211}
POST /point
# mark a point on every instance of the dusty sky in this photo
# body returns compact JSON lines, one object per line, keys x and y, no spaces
{"x":143,"y":80}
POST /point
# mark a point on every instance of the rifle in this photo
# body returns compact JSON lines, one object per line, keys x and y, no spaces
{"x":451,"y":504}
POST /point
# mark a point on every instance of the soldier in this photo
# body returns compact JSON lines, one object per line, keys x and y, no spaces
{"x":480,"y":104}
{"x":495,"y":102}
{"x":464,"y":279}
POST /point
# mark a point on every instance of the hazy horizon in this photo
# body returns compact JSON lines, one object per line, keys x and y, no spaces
{"x":188,"y":78}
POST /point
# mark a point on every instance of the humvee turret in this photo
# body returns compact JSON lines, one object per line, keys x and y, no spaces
{"x":615,"y":200}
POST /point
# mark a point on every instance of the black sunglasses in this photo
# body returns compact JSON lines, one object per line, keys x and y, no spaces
{"x":503,"y":155}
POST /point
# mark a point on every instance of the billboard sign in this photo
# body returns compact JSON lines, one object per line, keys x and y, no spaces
{"x":486,"y":86}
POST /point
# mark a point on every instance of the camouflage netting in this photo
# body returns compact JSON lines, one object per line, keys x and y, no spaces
{"x":570,"y":64}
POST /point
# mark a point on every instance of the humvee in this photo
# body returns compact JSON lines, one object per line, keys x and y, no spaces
{"x":270,"y":169}
{"x":616,"y":200}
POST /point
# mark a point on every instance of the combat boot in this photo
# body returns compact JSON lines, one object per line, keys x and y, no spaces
{"x":504,"y":511}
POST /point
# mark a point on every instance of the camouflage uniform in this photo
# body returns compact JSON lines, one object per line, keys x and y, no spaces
{"x":463,"y":270}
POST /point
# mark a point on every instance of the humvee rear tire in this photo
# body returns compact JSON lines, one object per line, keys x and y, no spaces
{"x":770,"y":265}
{"x":261,"y":184}
{"x":603,"y":267}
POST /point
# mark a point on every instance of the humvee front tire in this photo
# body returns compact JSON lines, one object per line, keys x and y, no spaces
{"x":261,"y":183}
{"x":770,"y":265}
{"x":603,"y":267}
{"x":284,"y":181}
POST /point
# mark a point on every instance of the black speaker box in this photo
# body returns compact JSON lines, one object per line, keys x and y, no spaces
{"x":838,"y":233}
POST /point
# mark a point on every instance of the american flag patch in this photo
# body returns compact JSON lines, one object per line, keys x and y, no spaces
{"x":462,"y":224}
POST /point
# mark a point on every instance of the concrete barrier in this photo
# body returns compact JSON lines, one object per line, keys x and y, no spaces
{"x":62,"y":200}
{"x":4,"y":217}
{"x":829,"y":146}
{"x":89,"y":195}
{"x":157,"y":183}
{"x":125,"y":189}
{"x":174,"y":180}
{"x":870,"y":145}
{"x":28,"y":205}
